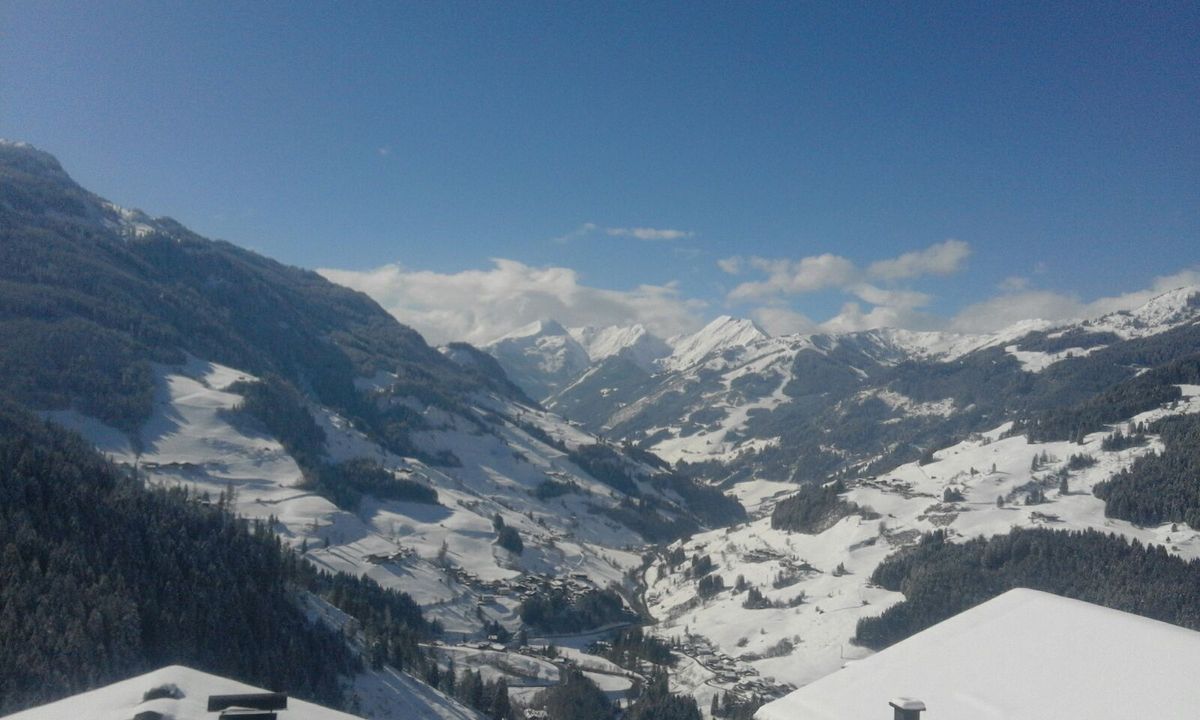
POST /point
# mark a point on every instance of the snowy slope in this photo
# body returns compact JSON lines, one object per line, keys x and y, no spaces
{"x":1157,"y":315}
{"x":1024,"y":655}
{"x":387,"y":693}
{"x":443,"y":555}
{"x":633,"y":340}
{"x":726,"y":403}
{"x":721,"y":334}
{"x":540,"y":357}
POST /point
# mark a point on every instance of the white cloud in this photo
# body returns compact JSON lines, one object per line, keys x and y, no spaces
{"x":821,"y":272}
{"x":647,"y":233}
{"x":481,"y":305}
{"x":1000,"y":312}
{"x":1004,"y":310}
{"x":888,"y":306}
{"x":638,"y":233}
{"x":944,"y":258}
{"x":905,"y":299}
{"x":782,"y":321}
{"x":788,"y":277}
{"x":1014,"y":283}
{"x":731,"y":265}
{"x":581,"y":231}
{"x":851,"y":318}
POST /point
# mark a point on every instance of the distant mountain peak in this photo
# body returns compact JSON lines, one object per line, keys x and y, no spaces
{"x":1160,"y":312}
{"x":633,"y":341}
{"x":537,"y":328}
{"x":539,"y":357}
{"x":722,"y":333}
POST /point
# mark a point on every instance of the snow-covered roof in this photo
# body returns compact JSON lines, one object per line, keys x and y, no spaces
{"x":123,"y":700}
{"x":1025,"y":655}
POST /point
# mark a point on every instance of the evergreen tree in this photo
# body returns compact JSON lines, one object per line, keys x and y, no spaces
{"x":576,"y":698}
{"x":102,"y":578}
{"x":940,"y":578}
{"x":449,"y":679}
{"x":500,"y":707}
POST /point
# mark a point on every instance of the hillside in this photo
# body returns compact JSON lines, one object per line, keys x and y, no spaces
{"x":103,"y":293}
{"x":301,"y":406}
{"x":813,"y":583}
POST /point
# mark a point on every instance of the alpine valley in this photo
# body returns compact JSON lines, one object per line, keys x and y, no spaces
{"x":213,"y":460}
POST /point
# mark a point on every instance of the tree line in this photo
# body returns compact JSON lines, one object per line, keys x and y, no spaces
{"x":940,"y":578}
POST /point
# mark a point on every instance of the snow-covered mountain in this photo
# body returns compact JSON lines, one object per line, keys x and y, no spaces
{"x":540,"y":357}
{"x":633,"y":341}
{"x":758,"y":413}
{"x":295,"y":402}
{"x":734,"y":399}
{"x":816,"y":584}
{"x":723,"y":334}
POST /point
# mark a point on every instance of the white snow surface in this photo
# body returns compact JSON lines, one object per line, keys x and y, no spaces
{"x":122,"y":700}
{"x":933,"y":344}
{"x":388,"y":693}
{"x":1037,"y":361}
{"x":547,"y":344}
{"x":633,"y":340}
{"x":1024,"y":655}
{"x":1159,"y":314}
{"x":723,"y":333}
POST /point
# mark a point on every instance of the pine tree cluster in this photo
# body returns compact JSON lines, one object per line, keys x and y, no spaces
{"x":940,"y":579}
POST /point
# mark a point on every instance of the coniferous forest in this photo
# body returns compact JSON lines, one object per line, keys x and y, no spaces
{"x":1162,"y":487}
{"x":104,"y":578}
{"x":940,"y":578}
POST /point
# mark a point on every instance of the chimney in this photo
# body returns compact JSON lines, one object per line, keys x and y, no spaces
{"x":907,"y":708}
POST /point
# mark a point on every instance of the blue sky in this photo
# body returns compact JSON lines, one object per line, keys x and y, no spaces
{"x":613,"y":162}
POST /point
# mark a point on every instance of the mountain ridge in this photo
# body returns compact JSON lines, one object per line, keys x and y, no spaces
{"x":304,"y":406}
